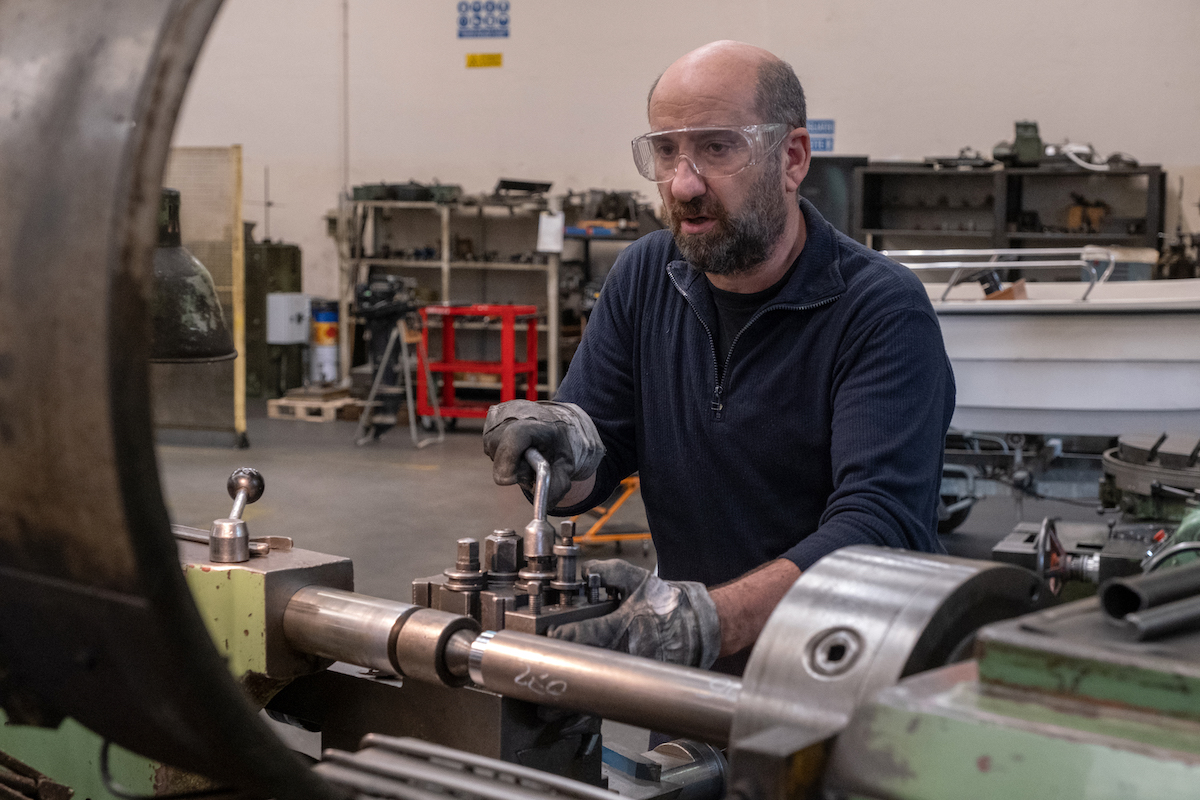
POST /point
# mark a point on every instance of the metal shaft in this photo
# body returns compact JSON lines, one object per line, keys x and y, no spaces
{"x":346,"y":626}
{"x":678,"y":700}
{"x":381,"y":634}
{"x":239,"y":505}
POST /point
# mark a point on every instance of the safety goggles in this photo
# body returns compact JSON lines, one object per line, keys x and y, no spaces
{"x":713,"y":152}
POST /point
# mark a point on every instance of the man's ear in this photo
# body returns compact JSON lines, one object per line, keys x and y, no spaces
{"x":797,"y":154}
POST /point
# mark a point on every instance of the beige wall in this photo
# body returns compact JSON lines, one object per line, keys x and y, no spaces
{"x":901,"y":79}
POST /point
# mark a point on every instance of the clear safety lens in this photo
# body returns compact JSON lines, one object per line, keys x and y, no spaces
{"x":715,"y":152}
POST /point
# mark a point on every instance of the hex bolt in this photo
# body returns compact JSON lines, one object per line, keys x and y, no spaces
{"x":567,"y":532}
{"x":593,"y":587}
{"x":468,"y":555}
{"x":502,"y":554}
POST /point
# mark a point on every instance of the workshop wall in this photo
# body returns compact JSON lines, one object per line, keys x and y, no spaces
{"x":902,"y":80}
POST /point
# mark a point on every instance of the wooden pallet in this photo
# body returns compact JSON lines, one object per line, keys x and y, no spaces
{"x":306,"y":409}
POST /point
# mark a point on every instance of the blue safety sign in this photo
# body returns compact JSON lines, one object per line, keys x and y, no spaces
{"x":482,"y":19}
{"x":820,"y":133}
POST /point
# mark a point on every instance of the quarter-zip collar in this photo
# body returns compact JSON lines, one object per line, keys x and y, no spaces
{"x":816,"y":280}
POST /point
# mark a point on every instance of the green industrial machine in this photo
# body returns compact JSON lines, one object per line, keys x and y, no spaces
{"x":1059,"y":704}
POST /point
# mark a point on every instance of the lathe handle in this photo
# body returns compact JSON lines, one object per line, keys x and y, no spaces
{"x":245,"y":485}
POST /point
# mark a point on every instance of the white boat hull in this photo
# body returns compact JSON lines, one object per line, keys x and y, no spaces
{"x":1125,"y":360}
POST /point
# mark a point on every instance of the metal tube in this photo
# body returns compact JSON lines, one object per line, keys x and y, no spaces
{"x":678,"y":700}
{"x":1154,"y":623}
{"x":346,"y":626}
{"x":1122,"y":596}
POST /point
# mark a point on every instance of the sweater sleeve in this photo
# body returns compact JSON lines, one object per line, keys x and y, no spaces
{"x":600,"y":379}
{"x":893,"y":396}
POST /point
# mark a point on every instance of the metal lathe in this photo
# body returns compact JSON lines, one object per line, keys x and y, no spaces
{"x":140,"y":658}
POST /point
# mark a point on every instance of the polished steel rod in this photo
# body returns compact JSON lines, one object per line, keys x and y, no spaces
{"x":681,"y":701}
{"x":345,"y":626}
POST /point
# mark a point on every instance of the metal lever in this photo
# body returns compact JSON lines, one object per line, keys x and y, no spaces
{"x":540,"y":568}
{"x":229,"y":540}
{"x":539,"y":534}
{"x":541,"y":491}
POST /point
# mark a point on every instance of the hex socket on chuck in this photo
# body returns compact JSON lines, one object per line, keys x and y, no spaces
{"x":679,"y":700}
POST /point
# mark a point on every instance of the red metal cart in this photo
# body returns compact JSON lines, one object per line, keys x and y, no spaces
{"x":508,"y":368}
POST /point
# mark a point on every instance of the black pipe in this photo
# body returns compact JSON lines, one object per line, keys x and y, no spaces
{"x":1159,"y":621}
{"x":1123,"y":596}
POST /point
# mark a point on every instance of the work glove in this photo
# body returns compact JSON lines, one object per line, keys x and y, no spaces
{"x":672,"y":621}
{"x":562,"y":432}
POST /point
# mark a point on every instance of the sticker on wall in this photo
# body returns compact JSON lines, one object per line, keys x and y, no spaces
{"x":820,"y":133}
{"x":485,"y":60}
{"x":482,"y":19}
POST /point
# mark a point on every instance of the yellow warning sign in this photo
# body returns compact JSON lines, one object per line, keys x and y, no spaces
{"x":485,"y":60}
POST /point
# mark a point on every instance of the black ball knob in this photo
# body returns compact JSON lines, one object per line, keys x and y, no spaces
{"x":249,"y":479}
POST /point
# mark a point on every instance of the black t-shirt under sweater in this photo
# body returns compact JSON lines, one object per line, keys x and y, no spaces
{"x":735,"y":309}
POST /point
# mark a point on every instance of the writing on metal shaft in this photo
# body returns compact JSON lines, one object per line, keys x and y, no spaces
{"x":540,"y":683}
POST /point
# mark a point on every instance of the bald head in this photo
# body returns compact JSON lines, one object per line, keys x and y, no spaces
{"x":725,"y":81}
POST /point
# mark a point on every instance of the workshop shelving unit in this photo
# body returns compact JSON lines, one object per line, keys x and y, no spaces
{"x":914,"y":206}
{"x":383,"y":235}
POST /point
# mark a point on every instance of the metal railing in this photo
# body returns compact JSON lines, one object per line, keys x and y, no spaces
{"x":1045,"y":258}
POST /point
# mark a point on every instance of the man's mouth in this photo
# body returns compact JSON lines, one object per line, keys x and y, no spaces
{"x":697,"y":224}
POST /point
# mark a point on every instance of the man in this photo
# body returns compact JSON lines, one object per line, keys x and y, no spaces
{"x":782,"y":390}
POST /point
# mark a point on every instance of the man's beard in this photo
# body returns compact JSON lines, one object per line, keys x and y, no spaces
{"x":735,"y":244}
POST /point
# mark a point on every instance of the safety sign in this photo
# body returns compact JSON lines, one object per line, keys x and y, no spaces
{"x":820,"y":133}
{"x":482,"y":19}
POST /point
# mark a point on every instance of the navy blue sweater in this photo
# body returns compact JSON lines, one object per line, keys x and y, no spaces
{"x":827,"y":429}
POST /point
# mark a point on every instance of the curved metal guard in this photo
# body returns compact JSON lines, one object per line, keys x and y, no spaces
{"x":96,"y":621}
{"x":856,"y":622}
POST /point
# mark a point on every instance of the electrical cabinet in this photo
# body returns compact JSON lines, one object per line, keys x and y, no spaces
{"x":271,"y":267}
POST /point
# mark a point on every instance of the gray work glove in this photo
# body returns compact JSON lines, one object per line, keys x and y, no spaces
{"x":562,"y":432}
{"x":672,"y":621}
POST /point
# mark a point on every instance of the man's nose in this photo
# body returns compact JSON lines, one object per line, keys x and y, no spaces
{"x":687,"y":182}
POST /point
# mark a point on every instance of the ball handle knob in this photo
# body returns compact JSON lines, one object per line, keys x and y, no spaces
{"x":245,"y":485}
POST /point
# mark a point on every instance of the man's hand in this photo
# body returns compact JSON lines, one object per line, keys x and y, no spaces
{"x":562,"y":432}
{"x":673,"y":621}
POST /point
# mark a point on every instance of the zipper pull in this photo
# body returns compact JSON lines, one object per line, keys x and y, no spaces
{"x":718,"y":408}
